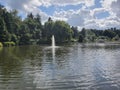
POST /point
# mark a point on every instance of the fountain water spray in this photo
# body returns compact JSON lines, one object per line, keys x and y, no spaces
{"x":53,"y":47}
{"x":53,"y":41}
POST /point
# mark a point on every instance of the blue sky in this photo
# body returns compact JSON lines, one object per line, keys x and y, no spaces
{"x":99,"y":14}
{"x":51,"y":9}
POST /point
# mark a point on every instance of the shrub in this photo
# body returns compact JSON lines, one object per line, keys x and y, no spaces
{"x":7,"y":44}
{"x":1,"y":45}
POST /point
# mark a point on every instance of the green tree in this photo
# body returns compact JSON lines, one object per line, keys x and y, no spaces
{"x":34,"y":25}
{"x":83,"y":32}
{"x":48,"y":30}
{"x":39,"y":27}
{"x":109,"y":33}
{"x":62,"y":31}
{"x":4,"y":35}
{"x":75,"y":32}
{"x":24,"y":35}
{"x":116,"y":38}
{"x":81,"y":38}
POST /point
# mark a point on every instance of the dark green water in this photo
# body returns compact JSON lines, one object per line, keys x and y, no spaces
{"x":69,"y":67}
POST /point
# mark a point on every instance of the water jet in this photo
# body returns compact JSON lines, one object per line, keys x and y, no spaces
{"x":53,"y":41}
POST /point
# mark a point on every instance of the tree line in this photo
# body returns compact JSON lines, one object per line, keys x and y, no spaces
{"x":15,"y":31}
{"x":94,"y":35}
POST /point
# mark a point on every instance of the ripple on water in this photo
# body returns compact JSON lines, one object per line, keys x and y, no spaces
{"x":65,"y":68}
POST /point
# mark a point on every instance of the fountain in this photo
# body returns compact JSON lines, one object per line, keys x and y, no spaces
{"x":53,"y":47}
{"x":53,"y":41}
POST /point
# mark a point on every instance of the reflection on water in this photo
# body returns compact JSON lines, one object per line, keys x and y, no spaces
{"x":70,"y":67}
{"x":53,"y":53}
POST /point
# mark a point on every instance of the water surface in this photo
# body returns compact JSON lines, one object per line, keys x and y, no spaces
{"x":69,"y":67}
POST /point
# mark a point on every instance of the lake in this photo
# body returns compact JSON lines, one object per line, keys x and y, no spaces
{"x":68,"y":67}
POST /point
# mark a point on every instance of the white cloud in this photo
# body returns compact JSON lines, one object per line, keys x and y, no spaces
{"x":96,"y":11}
{"x":103,"y":23}
{"x":113,"y":20}
{"x":72,"y":2}
{"x":89,"y":2}
{"x":91,"y":24}
{"x":48,"y":3}
{"x":19,"y":4}
{"x":27,"y":6}
{"x":112,"y":6}
{"x":85,"y":18}
{"x":107,"y":3}
{"x":82,"y":17}
{"x":78,"y":18}
{"x":115,"y":7}
{"x":74,"y":17}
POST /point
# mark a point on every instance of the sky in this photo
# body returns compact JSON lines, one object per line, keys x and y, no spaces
{"x":95,"y":14}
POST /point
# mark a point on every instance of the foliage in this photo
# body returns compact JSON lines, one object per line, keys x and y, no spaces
{"x":91,"y":35}
{"x":109,"y":33}
{"x":1,"y":45}
{"x":116,"y":38}
{"x":60,"y":29}
{"x":29,"y":30}
{"x":15,"y":31}
{"x":75,"y":32}
{"x":9,"y":44}
{"x":81,"y":38}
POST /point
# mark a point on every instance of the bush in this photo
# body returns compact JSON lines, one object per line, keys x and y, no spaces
{"x":116,"y":38}
{"x":7,"y":44}
{"x":1,"y":45}
{"x":43,"y":42}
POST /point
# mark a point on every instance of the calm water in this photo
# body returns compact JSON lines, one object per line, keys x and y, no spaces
{"x":69,"y":67}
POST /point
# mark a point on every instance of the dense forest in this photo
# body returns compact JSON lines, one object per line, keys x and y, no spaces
{"x":15,"y":31}
{"x":94,"y":35}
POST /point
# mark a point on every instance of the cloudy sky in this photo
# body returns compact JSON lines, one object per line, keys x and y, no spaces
{"x":99,"y":14}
